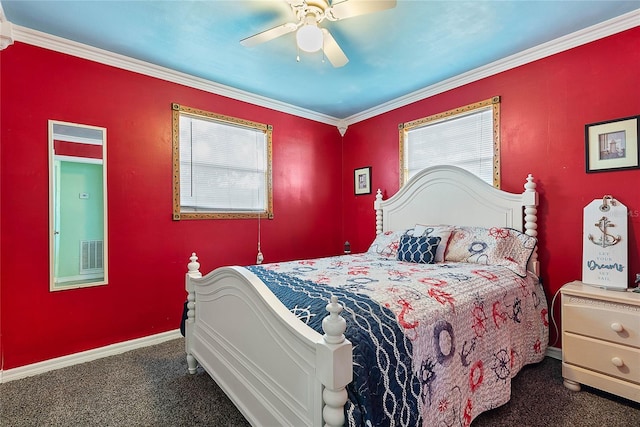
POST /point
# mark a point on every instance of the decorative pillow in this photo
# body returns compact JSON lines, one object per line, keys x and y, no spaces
{"x":493,"y":246}
{"x":442,"y":231}
{"x":386,"y":244}
{"x":421,"y":249}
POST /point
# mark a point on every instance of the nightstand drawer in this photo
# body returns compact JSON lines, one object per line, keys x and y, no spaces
{"x":605,"y":320}
{"x":607,"y":358}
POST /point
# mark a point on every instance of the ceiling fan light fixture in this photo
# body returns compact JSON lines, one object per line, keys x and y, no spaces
{"x":309,"y":38}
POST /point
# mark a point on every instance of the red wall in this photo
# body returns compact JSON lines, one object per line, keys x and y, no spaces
{"x":148,"y":252}
{"x":544,"y":108}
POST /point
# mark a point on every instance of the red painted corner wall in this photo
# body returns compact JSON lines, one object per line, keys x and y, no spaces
{"x":544,"y":108}
{"x":148,"y":252}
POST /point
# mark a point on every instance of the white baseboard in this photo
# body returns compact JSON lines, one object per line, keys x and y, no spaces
{"x":554,"y":352}
{"x":113,"y":349}
{"x":85,"y":356}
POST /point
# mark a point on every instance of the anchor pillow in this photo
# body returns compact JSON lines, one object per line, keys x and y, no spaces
{"x":492,"y":246}
{"x":386,"y":244}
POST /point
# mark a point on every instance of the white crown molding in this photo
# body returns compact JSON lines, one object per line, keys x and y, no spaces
{"x":6,"y":31}
{"x":595,"y":32}
{"x":69,"y":47}
{"x":85,"y":356}
{"x":578,"y":38}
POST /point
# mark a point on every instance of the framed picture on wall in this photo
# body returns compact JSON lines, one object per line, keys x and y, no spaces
{"x":362,"y":180}
{"x":612,"y":145}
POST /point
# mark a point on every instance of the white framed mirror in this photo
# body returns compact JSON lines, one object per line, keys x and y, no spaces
{"x":77,"y":205}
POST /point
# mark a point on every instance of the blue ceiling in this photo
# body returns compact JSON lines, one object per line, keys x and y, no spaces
{"x":391,"y":53}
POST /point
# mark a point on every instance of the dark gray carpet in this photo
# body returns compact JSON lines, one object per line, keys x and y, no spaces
{"x":151,"y":387}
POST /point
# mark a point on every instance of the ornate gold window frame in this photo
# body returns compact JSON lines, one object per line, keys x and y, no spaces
{"x":178,"y":214}
{"x":494,"y":102}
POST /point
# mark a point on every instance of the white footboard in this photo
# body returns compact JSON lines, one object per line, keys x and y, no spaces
{"x":275,"y":369}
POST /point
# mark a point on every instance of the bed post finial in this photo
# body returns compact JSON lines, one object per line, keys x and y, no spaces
{"x":193,"y":272}
{"x":334,"y":361}
{"x":194,"y":266}
{"x":334,"y":325}
{"x":378,"y":209}
{"x":531,"y":219}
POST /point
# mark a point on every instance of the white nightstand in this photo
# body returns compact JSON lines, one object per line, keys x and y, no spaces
{"x":601,"y":339}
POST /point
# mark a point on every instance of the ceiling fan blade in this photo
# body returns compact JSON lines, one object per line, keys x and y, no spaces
{"x":332,"y":51}
{"x":350,"y":8}
{"x":270,"y":34}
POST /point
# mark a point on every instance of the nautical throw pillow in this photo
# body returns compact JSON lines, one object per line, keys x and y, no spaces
{"x":492,"y":246}
{"x":442,"y":231}
{"x":386,"y":244}
{"x":421,"y":249}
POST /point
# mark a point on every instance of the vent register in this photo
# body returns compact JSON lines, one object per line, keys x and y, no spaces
{"x":91,"y":256}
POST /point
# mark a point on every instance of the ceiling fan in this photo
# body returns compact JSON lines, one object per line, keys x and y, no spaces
{"x":310,"y":36}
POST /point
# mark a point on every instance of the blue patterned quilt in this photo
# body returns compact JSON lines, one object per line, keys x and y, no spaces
{"x":381,"y":355}
{"x":433,"y":344}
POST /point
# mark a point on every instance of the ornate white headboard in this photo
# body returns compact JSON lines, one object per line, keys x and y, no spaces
{"x":453,"y":196}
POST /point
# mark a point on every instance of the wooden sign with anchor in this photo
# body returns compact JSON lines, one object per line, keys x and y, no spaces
{"x":604,"y":243}
{"x":606,"y":239}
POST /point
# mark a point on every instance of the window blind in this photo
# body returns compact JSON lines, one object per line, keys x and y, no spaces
{"x":464,"y":140}
{"x":222,"y":166}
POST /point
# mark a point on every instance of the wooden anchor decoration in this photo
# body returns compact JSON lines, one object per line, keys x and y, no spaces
{"x":606,"y":239}
{"x":604,"y":254}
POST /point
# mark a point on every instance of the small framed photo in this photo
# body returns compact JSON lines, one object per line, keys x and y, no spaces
{"x":362,"y":180}
{"x":612,"y":145}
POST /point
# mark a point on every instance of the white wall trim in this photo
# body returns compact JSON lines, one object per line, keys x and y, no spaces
{"x":69,"y":47}
{"x":85,"y":356}
{"x":587,"y":35}
{"x":554,"y":352}
{"x":114,"y":349}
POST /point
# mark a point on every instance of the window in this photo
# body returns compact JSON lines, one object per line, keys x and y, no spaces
{"x":221,"y":166}
{"x":468,"y":137}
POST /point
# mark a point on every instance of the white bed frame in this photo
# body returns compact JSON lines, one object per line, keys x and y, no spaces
{"x":279,"y":371}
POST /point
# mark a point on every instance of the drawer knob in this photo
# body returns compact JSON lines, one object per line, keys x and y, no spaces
{"x":617,"y":327}
{"x":617,"y":362}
